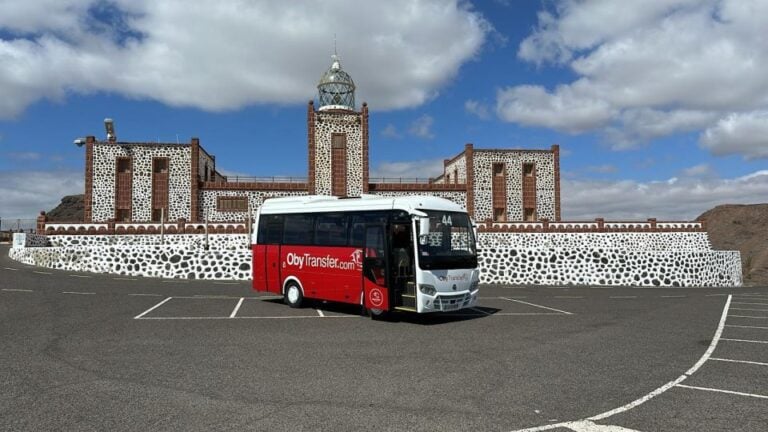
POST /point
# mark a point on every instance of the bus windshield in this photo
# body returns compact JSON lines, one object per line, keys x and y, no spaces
{"x":449,"y":243}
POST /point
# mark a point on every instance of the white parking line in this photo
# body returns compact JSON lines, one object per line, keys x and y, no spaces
{"x":622,"y":297}
{"x":748,"y":309}
{"x":745,"y":340}
{"x":743,"y":326}
{"x":78,"y":276}
{"x":11,"y":268}
{"x":535,"y":305}
{"x":478,"y":310}
{"x":248,"y":317}
{"x":746,"y":303}
{"x":125,"y":279}
{"x":17,"y":290}
{"x":146,"y":295}
{"x":677,"y":296}
{"x":656,"y":392}
{"x":78,"y":293}
{"x":237,"y":308}
{"x":739,"y":361}
{"x":152,"y":308}
{"x":723,"y":391}
{"x":747,"y":316}
{"x":41,"y":272}
{"x":319,"y":312}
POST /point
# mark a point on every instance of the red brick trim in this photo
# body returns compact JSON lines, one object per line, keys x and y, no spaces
{"x":311,"y":146}
{"x":364,"y":132}
{"x":556,"y":158}
{"x":88,"y":208}
{"x":194,"y":180}
{"x":469,"y":151}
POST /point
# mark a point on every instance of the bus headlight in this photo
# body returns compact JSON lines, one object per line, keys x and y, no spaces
{"x":427,"y":289}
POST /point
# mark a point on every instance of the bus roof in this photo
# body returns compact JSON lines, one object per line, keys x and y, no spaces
{"x":327,"y":203}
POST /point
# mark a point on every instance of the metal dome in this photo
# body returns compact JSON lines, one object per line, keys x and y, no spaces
{"x":336,"y":90}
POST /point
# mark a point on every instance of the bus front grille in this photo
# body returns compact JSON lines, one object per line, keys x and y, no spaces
{"x":451,"y":302}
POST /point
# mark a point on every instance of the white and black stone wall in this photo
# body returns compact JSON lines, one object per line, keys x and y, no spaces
{"x":631,"y":259}
{"x":148,"y":261}
{"x":104,"y":171}
{"x":483,"y":161}
{"x":209,"y":210}
{"x":457,"y":170}
{"x":326,"y":124}
{"x":599,"y":266}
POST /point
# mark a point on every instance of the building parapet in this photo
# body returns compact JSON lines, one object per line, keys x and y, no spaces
{"x":416,"y":187}
{"x":599,"y":225}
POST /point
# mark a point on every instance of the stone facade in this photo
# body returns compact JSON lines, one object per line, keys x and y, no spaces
{"x":140,"y":157}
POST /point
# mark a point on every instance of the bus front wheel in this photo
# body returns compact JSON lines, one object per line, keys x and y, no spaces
{"x":293,"y":296}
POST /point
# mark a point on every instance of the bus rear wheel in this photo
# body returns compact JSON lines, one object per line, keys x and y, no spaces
{"x":292,"y":295}
{"x":376,"y":314}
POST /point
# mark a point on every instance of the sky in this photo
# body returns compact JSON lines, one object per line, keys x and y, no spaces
{"x":660,"y":107}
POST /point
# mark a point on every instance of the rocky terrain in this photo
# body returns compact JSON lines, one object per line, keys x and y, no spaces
{"x":743,"y":228}
{"x":69,"y":210}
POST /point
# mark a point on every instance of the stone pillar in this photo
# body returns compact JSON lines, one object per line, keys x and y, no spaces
{"x":41,"y":220}
{"x":600,"y":223}
{"x":194,"y":177}
{"x":470,"y":161}
{"x":652,"y":221}
{"x":364,"y":132}
{"x":88,"y":199}
{"x":311,"y":147}
{"x":556,"y":163}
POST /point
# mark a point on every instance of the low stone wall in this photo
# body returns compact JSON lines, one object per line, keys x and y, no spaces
{"x":149,"y":261}
{"x":597,"y":266}
{"x":633,"y":259}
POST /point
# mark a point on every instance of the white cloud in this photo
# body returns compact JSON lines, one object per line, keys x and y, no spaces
{"x":422,"y":169}
{"x":478,"y":109}
{"x":422,"y":127}
{"x":225,"y":55}
{"x":25,"y":194}
{"x":390,"y":131}
{"x":673,"y":199}
{"x":603,"y":169}
{"x":745,"y":134}
{"x":701,"y":170}
{"x":564,"y":110}
{"x":645,"y":69}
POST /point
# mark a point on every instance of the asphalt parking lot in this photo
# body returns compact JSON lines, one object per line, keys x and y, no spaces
{"x":98,"y":352}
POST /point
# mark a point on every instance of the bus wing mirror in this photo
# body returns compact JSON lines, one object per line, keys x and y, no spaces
{"x":423,"y":226}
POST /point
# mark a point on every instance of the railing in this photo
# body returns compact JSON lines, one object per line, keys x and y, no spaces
{"x":598,"y":225}
{"x":400,"y":180}
{"x":271,"y":179}
{"x":17,"y":225}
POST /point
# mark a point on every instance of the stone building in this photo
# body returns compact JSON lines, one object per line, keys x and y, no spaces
{"x":147,"y":182}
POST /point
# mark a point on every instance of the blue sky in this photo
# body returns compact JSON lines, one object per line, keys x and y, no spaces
{"x":660,"y":107}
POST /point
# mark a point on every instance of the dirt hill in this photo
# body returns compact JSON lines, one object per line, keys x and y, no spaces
{"x":69,"y":210}
{"x":743,"y":228}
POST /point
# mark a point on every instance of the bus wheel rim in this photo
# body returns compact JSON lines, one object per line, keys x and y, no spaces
{"x":293,"y":294}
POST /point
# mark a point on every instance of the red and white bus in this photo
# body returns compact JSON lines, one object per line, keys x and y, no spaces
{"x":412,"y":253}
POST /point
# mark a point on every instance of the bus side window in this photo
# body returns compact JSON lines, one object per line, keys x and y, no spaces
{"x":298,"y":229}
{"x":270,"y":229}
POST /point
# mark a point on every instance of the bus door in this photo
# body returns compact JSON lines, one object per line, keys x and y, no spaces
{"x":375,"y":264}
{"x":272,"y":268}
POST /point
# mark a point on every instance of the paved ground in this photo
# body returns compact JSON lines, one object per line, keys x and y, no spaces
{"x":91,"y":352}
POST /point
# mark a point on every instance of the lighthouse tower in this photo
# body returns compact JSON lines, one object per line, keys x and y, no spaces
{"x":337,"y":137}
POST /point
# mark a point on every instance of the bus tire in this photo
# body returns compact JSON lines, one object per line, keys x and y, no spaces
{"x":376,"y":314}
{"x":292,"y":295}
